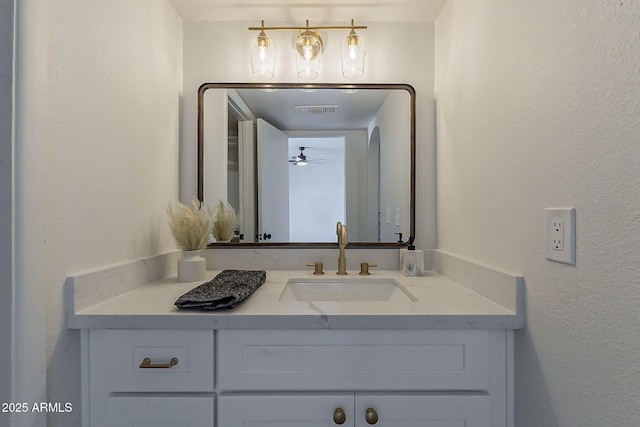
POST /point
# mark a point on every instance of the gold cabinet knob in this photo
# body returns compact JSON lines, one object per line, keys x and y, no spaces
{"x":339,"y":416}
{"x":371,"y":416}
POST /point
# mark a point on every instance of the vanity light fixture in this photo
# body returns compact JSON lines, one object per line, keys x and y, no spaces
{"x":263,"y":56}
{"x":352,"y":51}
{"x":308,"y":48}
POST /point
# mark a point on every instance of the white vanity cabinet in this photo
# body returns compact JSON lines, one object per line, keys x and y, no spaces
{"x":390,"y":378}
{"x":298,"y":378}
{"x":443,"y":360}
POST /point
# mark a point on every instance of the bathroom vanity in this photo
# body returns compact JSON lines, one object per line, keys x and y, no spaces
{"x":438,"y":353}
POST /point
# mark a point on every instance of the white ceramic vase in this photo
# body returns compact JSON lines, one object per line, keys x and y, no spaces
{"x":191,"y":267}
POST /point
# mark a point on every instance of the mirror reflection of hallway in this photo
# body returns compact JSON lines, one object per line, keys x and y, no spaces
{"x":317,"y":188}
{"x":375,"y":208}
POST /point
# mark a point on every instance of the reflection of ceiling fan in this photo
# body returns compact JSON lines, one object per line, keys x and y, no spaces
{"x":301,"y":159}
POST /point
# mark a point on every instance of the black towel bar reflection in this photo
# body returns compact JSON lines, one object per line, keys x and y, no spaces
{"x":146,"y":363}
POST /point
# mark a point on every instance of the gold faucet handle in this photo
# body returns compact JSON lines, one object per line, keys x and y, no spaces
{"x":318,"y":268}
{"x":364,"y":268}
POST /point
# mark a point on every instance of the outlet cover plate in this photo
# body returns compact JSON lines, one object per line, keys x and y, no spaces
{"x":560,"y":235}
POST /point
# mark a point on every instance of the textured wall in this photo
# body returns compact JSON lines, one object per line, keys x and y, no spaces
{"x":6,"y":201}
{"x":113,"y":85}
{"x":30,"y":135}
{"x":538,"y":105}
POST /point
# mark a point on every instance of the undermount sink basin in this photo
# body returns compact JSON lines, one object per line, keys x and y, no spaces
{"x":327,"y":289}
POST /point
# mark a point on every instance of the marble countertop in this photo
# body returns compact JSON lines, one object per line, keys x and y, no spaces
{"x":441,"y":303}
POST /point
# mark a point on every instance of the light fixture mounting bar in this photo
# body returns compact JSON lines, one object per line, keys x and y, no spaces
{"x":310,"y":27}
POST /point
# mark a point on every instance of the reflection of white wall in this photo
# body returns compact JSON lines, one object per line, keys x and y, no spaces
{"x":395,"y":155}
{"x":317,"y":190}
{"x":215,"y":151}
{"x":373,"y":186}
{"x":356,"y":185}
{"x":233,"y":171}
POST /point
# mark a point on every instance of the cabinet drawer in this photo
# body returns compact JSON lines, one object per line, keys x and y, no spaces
{"x":160,"y":411}
{"x":354,"y":360}
{"x":126,"y":350}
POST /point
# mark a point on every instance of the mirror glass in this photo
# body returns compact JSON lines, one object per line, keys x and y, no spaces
{"x":294,"y":159}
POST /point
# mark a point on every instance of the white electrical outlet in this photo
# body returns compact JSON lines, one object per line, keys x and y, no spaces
{"x":557,"y":235}
{"x":560,"y":235}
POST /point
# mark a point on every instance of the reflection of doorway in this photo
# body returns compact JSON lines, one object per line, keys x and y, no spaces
{"x":240,"y":179}
{"x":273,"y":183}
{"x":373,"y":187}
{"x":317,"y":189}
{"x":233,"y":171}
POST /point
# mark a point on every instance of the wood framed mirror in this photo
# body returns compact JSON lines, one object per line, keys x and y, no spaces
{"x":293,"y":159}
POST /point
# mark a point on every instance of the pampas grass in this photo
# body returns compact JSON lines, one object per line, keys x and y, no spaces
{"x":225,"y":221}
{"x":190,"y":226}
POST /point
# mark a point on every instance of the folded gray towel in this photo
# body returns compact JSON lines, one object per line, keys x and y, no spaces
{"x":228,"y":289}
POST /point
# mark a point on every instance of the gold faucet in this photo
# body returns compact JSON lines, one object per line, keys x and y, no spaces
{"x":341,"y":231}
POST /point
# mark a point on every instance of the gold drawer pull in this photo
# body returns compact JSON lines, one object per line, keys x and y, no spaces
{"x":339,"y":416}
{"x":146,"y":363}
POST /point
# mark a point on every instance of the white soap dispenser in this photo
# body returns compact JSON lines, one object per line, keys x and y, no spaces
{"x":411,"y":260}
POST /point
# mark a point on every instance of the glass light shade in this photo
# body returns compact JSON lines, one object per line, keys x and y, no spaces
{"x":263,"y":57}
{"x":307,"y":70}
{"x":308,"y":45}
{"x":308,"y":48}
{"x":353,"y":50}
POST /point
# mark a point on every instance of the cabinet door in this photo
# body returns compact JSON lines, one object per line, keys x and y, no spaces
{"x":158,"y":411}
{"x":422,"y":410}
{"x":286,"y":410}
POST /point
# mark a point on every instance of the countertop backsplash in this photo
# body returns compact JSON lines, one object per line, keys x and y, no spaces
{"x":297,"y":259}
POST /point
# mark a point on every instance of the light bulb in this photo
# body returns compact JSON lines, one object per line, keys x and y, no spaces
{"x":308,"y":45}
{"x":262,"y":53}
{"x":353,"y":51}
{"x":308,"y":53}
{"x":263,"y":57}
